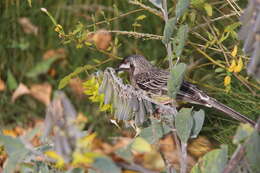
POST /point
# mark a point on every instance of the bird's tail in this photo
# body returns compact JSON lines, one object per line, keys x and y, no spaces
{"x":192,"y":94}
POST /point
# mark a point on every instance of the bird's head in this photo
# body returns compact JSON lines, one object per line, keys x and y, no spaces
{"x":134,"y":64}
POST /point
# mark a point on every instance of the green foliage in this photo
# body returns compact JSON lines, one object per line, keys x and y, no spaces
{"x":179,"y":41}
{"x":41,"y":67}
{"x":198,"y":121}
{"x":105,"y":165}
{"x":175,"y":80}
{"x":181,"y":7}
{"x":213,"y":162}
{"x":11,"y":81}
{"x":184,"y":124}
{"x":168,"y":30}
{"x":16,"y":151}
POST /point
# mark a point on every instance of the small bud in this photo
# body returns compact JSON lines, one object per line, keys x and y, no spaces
{"x":227,"y":81}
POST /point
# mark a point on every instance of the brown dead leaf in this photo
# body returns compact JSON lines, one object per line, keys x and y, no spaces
{"x":27,"y":26}
{"x":57,"y":53}
{"x":2,"y":85}
{"x":42,"y":92}
{"x":102,"y":38}
{"x":52,"y":72}
{"x":21,"y":90}
{"x":77,"y":87}
{"x":200,"y":146}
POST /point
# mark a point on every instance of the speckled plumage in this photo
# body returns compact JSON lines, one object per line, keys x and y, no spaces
{"x":147,"y":77}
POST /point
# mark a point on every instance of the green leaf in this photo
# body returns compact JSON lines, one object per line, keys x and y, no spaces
{"x":181,"y":7}
{"x":105,"y":165}
{"x":154,"y":132}
{"x":41,"y":67}
{"x":168,"y":30}
{"x":141,"y":17}
{"x":219,"y":70}
{"x":11,"y":81}
{"x":183,"y":124}
{"x":243,"y":132}
{"x":30,"y":3}
{"x":157,"y":3}
{"x":232,"y":27}
{"x":141,"y":145}
{"x":252,"y":152}
{"x":198,"y":120}
{"x":63,"y":82}
{"x":175,"y":80}
{"x":15,"y":150}
{"x":75,"y":170}
{"x":179,"y":41}
{"x":208,"y":9}
{"x":213,"y":162}
{"x":125,"y":153}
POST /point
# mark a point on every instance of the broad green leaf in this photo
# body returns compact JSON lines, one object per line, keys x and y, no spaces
{"x":208,"y":9}
{"x":41,"y":67}
{"x":213,"y":162}
{"x":11,"y":81}
{"x":181,"y":7}
{"x":105,"y":165}
{"x":243,"y":132}
{"x":198,"y":120}
{"x":175,"y":79}
{"x":125,"y":153}
{"x":157,"y":3}
{"x":183,"y":124}
{"x":168,"y":30}
{"x":141,"y":145}
{"x":75,"y":170}
{"x":154,"y":132}
{"x":252,"y":152}
{"x":180,"y":39}
{"x":15,"y":150}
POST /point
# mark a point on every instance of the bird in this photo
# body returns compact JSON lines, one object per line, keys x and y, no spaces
{"x":145,"y":76}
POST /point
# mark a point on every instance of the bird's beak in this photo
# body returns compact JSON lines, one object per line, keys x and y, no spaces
{"x":123,"y":67}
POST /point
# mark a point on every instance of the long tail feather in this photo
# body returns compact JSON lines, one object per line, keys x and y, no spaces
{"x":231,"y":112}
{"x":192,"y":94}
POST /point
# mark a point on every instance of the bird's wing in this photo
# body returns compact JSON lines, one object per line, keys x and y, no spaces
{"x":154,"y":81}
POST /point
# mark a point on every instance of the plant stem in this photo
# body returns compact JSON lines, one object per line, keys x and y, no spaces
{"x":167,"y":45}
{"x":183,"y":157}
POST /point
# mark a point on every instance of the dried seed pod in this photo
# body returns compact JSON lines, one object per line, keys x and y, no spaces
{"x":128,"y":110}
{"x":134,"y":103}
{"x":140,"y":116}
{"x":148,"y":107}
{"x":119,"y":108}
{"x":103,"y":86}
{"x":108,"y":93}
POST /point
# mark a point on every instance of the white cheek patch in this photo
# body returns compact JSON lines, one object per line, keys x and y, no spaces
{"x":125,"y":66}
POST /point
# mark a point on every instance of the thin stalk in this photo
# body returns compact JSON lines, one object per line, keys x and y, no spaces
{"x":183,"y":157}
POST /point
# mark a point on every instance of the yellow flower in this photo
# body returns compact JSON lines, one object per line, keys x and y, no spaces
{"x":59,"y":160}
{"x":86,"y":158}
{"x":232,"y":66}
{"x":239,"y":66}
{"x":227,"y":80}
{"x":234,"y":51}
{"x":58,"y":28}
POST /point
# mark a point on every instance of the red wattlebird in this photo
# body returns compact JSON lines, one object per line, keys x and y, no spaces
{"x":145,"y":76}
